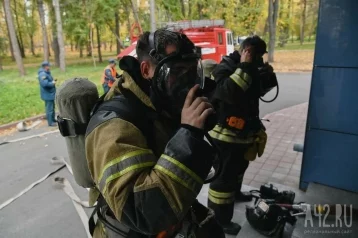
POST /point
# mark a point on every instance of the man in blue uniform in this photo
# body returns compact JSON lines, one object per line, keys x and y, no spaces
{"x":48,"y":91}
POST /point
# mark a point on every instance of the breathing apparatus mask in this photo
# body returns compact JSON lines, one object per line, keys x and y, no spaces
{"x":175,"y":75}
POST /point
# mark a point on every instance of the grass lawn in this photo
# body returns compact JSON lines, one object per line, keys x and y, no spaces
{"x":20,"y":97}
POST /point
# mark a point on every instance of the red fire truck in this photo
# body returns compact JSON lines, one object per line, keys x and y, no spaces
{"x":211,"y":35}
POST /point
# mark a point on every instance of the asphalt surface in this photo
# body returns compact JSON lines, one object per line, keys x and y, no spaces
{"x":46,"y":211}
{"x":294,"y":88}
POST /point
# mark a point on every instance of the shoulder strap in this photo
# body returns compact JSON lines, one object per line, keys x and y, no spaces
{"x":129,"y":109}
{"x":125,"y":110}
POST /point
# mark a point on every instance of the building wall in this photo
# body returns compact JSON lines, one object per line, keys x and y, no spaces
{"x":331,"y":144}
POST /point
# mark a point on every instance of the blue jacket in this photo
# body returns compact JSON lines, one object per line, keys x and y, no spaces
{"x":47,"y":88}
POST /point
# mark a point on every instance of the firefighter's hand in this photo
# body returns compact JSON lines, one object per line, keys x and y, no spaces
{"x":196,"y":109}
{"x":246,"y":56}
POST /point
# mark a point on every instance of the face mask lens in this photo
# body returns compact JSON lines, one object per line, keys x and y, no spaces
{"x":175,"y":78}
{"x":183,"y":75}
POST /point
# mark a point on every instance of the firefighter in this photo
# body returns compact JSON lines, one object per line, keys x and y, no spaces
{"x":109,"y":75}
{"x":239,"y":134}
{"x":149,"y":184}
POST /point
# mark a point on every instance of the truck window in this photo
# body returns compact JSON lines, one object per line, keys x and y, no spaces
{"x":229,"y":39}
{"x":220,"y":36}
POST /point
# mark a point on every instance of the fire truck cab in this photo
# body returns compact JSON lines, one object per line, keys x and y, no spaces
{"x":211,"y":36}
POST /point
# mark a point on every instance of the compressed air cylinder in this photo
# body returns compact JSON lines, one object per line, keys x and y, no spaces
{"x":75,"y":99}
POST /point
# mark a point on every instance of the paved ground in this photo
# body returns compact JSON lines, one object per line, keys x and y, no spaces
{"x":279,"y":163}
{"x":47,"y":212}
{"x":294,"y":90}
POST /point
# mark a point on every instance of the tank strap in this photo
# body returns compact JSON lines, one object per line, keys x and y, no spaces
{"x":100,"y":211}
{"x":70,"y":128}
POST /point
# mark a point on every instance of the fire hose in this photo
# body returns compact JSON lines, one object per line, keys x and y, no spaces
{"x":59,"y":183}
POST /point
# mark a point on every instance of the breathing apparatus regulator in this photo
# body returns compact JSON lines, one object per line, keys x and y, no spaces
{"x":268,"y":81}
{"x":174,"y":76}
{"x":274,"y":213}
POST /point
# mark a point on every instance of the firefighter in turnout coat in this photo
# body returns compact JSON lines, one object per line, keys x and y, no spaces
{"x":149,"y":174}
{"x":239,"y":134}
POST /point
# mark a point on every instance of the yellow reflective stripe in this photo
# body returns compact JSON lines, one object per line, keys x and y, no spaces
{"x":244,"y":76}
{"x":123,"y":157}
{"x":229,"y":139}
{"x":221,"y":194}
{"x":242,"y":84}
{"x":224,"y":131}
{"x":173,"y":176}
{"x":242,"y":79}
{"x":183,"y":167}
{"x":121,"y":173}
{"x":221,"y":200}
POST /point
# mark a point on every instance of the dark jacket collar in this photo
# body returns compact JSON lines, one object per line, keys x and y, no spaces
{"x":132,"y":67}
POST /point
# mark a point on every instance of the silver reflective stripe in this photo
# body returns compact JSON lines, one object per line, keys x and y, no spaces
{"x":242,"y":79}
{"x":125,"y":165}
{"x":180,"y":173}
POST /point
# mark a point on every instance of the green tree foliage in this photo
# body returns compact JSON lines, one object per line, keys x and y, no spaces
{"x":80,"y":17}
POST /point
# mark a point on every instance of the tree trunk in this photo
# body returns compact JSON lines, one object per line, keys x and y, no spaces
{"x":71,"y":45}
{"x":135,"y":11}
{"x":61,"y":42}
{"x":91,"y":40}
{"x":128,"y":18}
{"x":11,"y":30}
{"x":54,"y":42}
{"x":110,"y":46}
{"x":116,"y":18}
{"x":49,"y":44}
{"x":292,"y":14}
{"x":266,"y":27}
{"x":89,"y":50}
{"x":182,"y":8}
{"x":8,"y":34}
{"x":21,"y":46}
{"x":190,"y":3}
{"x":105,"y":45}
{"x":19,"y":36}
{"x":273,"y":13}
{"x":81,"y":51}
{"x":29,"y":23}
{"x":99,"y":44}
{"x":289,"y":15}
{"x":200,"y":10}
{"x":32,"y":46}
{"x":303,"y":22}
{"x":56,"y":49}
{"x":45,"y":44}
